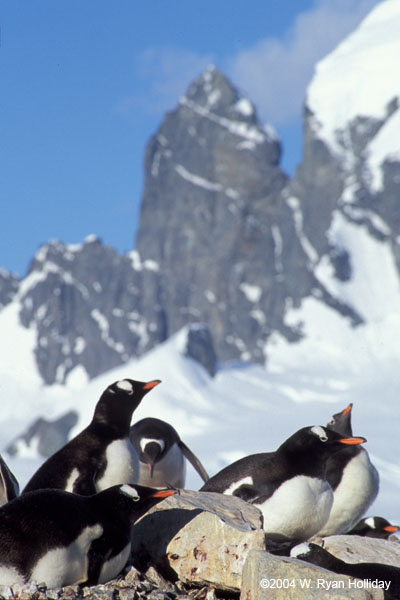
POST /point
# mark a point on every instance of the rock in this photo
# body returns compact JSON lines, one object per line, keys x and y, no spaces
{"x":200,"y":538}
{"x":353,"y":549}
{"x":200,"y":347}
{"x":45,"y":436}
{"x":269,"y":577}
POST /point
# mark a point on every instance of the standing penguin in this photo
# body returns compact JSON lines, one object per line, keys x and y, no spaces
{"x":376,"y":527}
{"x":289,"y":485}
{"x":9,"y":488}
{"x":353,"y":478}
{"x":162,"y":453}
{"x":102,"y":454}
{"x":61,"y":539}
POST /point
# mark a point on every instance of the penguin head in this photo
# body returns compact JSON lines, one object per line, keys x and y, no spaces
{"x":152,"y":438}
{"x":317,"y":441}
{"x":134,"y":499}
{"x":118,"y":402}
{"x":313,"y":553}
{"x":341,"y":421}
{"x":377,"y":527}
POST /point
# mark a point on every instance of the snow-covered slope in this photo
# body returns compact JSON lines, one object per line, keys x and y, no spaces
{"x":243,"y":410}
{"x":247,"y":408}
{"x":361,"y":79}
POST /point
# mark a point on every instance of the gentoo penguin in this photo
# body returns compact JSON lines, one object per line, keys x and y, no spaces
{"x":387,"y":575}
{"x":376,"y":527}
{"x":289,"y":485}
{"x":353,"y":478}
{"x":60,"y":538}
{"x":102,"y":454}
{"x":9,"y":487}
{"x":161,"y":454}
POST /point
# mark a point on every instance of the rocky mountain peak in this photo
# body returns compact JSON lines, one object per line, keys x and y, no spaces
{"x":213,"y":91}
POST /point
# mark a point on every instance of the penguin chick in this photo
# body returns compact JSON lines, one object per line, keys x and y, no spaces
{"x":376,"y":527}
{"x":61,"y":539}
{"x":312,"y":553}
{"x":9,"y":487}
{"x":162,"y":453}
{"x":289,"y":485}
{"x":353,"y":478}
{"x":102,"y":454}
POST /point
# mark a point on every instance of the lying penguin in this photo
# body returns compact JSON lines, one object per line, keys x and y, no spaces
{"x":388,"y":575}
{"x":353,"y":478}
{"x":162,"y":454}
{"x":289,"y":485}
{"x":376,"y":527}
{"x":102,"y":454}
{"x":60,"y":539}
{"x":9,"y":488}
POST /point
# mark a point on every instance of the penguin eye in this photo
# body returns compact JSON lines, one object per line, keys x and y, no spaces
{"x":324,"y":438}
{"x":332,"y":422}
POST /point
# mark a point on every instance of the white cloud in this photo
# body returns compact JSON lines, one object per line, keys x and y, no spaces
{"x":276,"y":72}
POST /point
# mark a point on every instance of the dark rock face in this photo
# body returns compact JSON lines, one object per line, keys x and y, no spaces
{"x":88,"y":309}
{"x":225,"y":241}
{"x":200,"y":347}
{"x":9,"y":284}
{"x":49,"y":436}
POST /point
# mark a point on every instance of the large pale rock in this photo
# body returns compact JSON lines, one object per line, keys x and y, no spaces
{"x":201,"y":538}
{"x":269,"y":577}
{"x":354,"y":549}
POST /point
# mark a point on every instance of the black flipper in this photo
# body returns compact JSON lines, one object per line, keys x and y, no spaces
{"x":9,"y":488}
{"x":194,"y":461}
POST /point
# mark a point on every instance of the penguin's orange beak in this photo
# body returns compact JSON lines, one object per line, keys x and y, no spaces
{"x":391,"y":528}
{"x":150,"y":384}
{"x":347,"y":409}
{"x":352,"y":441}
{"x":164,"y":493}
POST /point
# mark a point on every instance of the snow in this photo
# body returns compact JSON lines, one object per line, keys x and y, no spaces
{"x":341,"y":88}
{"x":197,"y":179}
{"x":252,"y":292}
{"x":238,"y":128}
{"x":308,"y":248}
{"x":245,"y":107}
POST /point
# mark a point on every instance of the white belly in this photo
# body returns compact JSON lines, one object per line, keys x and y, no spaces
{"x":298,"y":509}
{"x":66,"y":565}
{"x":10,"y":576}
{"x":170,"y":470}
{"x":112,"y":567}
{"x":122,"y":465}
{"x":354,"y":494}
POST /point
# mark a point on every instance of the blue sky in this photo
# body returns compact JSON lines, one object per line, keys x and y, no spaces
{"x":85,"y":83}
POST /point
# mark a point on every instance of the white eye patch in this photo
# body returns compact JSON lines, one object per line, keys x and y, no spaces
{"x":318,"y":431}
{"x":130,"y":491}
{"x":145,"y":441}
{"x":125,"y":385}
{"x":370,"y":522}
{"x":300,"y":550}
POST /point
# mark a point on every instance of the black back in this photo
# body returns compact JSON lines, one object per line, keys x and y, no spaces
{"x":41,"y":520}
{"x":304,"y":453}
{"x":322,"y":558}
{"x":86,"y":452}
